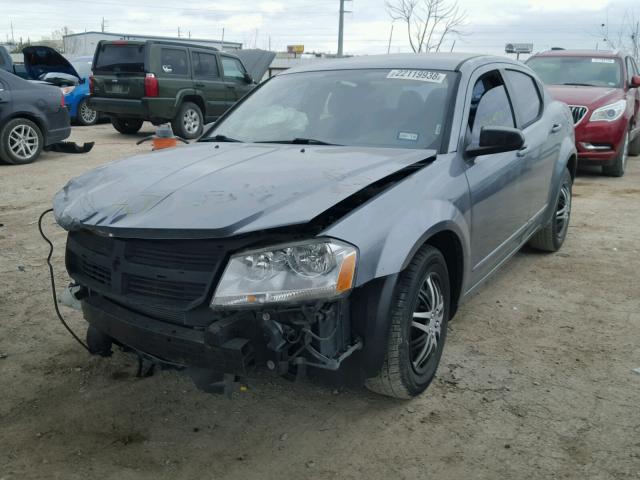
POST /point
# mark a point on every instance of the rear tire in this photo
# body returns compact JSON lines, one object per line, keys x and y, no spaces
{"x":619,"y":164}
{"x":634,"y":147}
{"x":126,"y":126}
{"x":21,"y":141}
{"x":86,"y":115}
{"x":189,"y":122}
{"x":551,"y":237}
{"x":419,"y":317}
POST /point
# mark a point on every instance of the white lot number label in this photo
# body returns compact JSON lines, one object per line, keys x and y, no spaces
{"x":603,"y":60}
{"x":420,"y":75}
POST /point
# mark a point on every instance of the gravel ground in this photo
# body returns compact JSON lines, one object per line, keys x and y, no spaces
{"x":536,"y":379}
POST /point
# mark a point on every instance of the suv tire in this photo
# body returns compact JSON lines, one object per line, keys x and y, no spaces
{"x":188,"y":122}
{"x":419,"y":315}
{"x":21,"y":141}
{"x":619,"y":164}
{"x":551,"y":237}
{"x":127,"y":126}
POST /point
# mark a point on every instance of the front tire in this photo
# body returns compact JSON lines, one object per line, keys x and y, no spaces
{"x":126,"y":126}
{"x":418,"y":330}
{"x":551,"y":237}
{"x":634,"y":147}
{"x":188,"y":122}
{"x":21,"y":141}
{"x":86,"y":115}
{"x":619,"y":164}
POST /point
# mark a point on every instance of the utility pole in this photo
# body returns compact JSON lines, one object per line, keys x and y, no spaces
{"x":390,"y":37}
{"x":13,"y":40}
{"x":636,"y":42}
{"x":341,"y":27}
{"x":178,"y":32}
{"x":102,"y":25}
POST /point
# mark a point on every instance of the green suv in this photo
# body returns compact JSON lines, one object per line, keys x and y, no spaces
{"x":187,"y":85}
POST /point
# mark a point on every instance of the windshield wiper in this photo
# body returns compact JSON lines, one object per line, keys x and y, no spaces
{"x":220,"y":138}
{"x":300,"y":141}
{"x":580,"y":84}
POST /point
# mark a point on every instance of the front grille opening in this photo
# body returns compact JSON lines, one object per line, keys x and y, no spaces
{"x":95,"y":272}
{"x":578,"y":112}
{"x":164,"y":289}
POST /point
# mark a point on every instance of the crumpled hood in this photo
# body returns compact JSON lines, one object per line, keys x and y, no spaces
{"x":591,"y":97}
{"x":204,"y":191}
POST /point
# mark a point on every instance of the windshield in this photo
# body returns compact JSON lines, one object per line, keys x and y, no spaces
{"x":376,"y":108}
{"x":120,"y":57}
{"x":83,"y":67}
{"x":588,"y":71}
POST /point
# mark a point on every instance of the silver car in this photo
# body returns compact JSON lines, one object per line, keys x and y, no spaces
{"x":333,"y":220}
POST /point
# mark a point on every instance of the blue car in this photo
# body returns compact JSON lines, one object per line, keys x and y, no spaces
{"x":76,"y":97}
{"x":72,"y":76}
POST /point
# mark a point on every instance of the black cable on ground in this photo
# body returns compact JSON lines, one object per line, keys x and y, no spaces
{"x":53,"y":283}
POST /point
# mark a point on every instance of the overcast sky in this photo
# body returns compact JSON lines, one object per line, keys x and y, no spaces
{"x":490,"y":23}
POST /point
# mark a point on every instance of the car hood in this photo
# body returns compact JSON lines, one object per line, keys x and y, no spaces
{"x":591,"y":97}
{"x":212,"y":190}
{"x":40,"y":60}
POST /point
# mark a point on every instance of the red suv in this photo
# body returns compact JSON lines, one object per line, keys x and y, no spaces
{"x":601,"y":89}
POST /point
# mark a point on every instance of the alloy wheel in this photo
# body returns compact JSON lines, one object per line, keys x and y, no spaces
{"x":426,"y":323}
{"x":88,"y":114}
{"x":191,"y":121}
{"x":23,"y":142}
{"x":563,"y":210}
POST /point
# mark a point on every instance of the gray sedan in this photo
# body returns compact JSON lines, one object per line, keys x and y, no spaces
{"x":333,"y":220}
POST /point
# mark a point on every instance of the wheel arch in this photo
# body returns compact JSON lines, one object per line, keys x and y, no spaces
{"x":28,"y":116}
{"x":196,"y":99}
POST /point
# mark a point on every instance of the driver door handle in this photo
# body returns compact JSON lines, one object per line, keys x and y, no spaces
{"x":556,"y":127}
{"x":199,"y":84}
{"x":523,"y":151}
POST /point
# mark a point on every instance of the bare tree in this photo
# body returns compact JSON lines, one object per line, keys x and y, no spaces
{"x":627,"y":34}
{"x":428,"y":22}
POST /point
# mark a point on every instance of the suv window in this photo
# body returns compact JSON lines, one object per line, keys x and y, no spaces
{"x":490,"y":106}
{"x":526,"y":99}
{"x":120,"y":57}
{"x":232,"y":68}
{"x":174,"y":61}
{"x":205,"y":65}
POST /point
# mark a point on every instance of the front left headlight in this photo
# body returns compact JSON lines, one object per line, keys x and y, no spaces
{"x":67,"y":90}
{"x":293,"y":273}
{"x":609,"y":113}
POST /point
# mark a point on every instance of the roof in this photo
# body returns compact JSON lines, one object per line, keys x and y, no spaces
{"x":580,"y":53}
{"x":435,"y":61}
{"x":154,"y":37}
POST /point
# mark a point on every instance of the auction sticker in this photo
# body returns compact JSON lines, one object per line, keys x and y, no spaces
{"x":603,"y":60}
{"x":420,"y":75}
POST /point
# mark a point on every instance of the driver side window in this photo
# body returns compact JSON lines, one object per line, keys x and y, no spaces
{"x":490,"y":106}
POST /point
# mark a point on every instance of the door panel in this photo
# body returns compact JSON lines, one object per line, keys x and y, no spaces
{"x":174,"y":71}
{"x":209,"y":83}
{"x":541,"y":139}
{"x":499,"y":209}
{"x":234,"y":77}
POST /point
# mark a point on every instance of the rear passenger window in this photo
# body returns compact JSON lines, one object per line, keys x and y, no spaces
{"x":490,"y":106}
{"x":174,"y":61}
{"x":232,"y":68}
{"x":525,"y":96}
{"x":205,"y":65}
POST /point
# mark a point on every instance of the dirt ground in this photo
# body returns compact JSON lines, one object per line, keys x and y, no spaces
{"x":536,"y":379}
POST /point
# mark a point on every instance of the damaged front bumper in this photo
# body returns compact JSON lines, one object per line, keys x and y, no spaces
{"x":283,"y":340}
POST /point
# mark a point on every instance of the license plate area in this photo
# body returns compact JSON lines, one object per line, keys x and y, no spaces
{"x":118,"y":88}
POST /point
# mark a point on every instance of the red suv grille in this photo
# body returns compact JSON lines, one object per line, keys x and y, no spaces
{"x":577,"y":112}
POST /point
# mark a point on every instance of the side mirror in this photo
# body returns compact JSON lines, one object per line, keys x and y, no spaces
{"x":497,"y":140}
{"x":248,"y":78}
{"x":635,"y":81}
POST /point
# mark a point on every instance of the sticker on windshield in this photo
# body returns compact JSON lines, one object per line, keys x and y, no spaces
{"x":603,"y":60}
{"x":412,"y":137}
{"x":421,"y":75}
